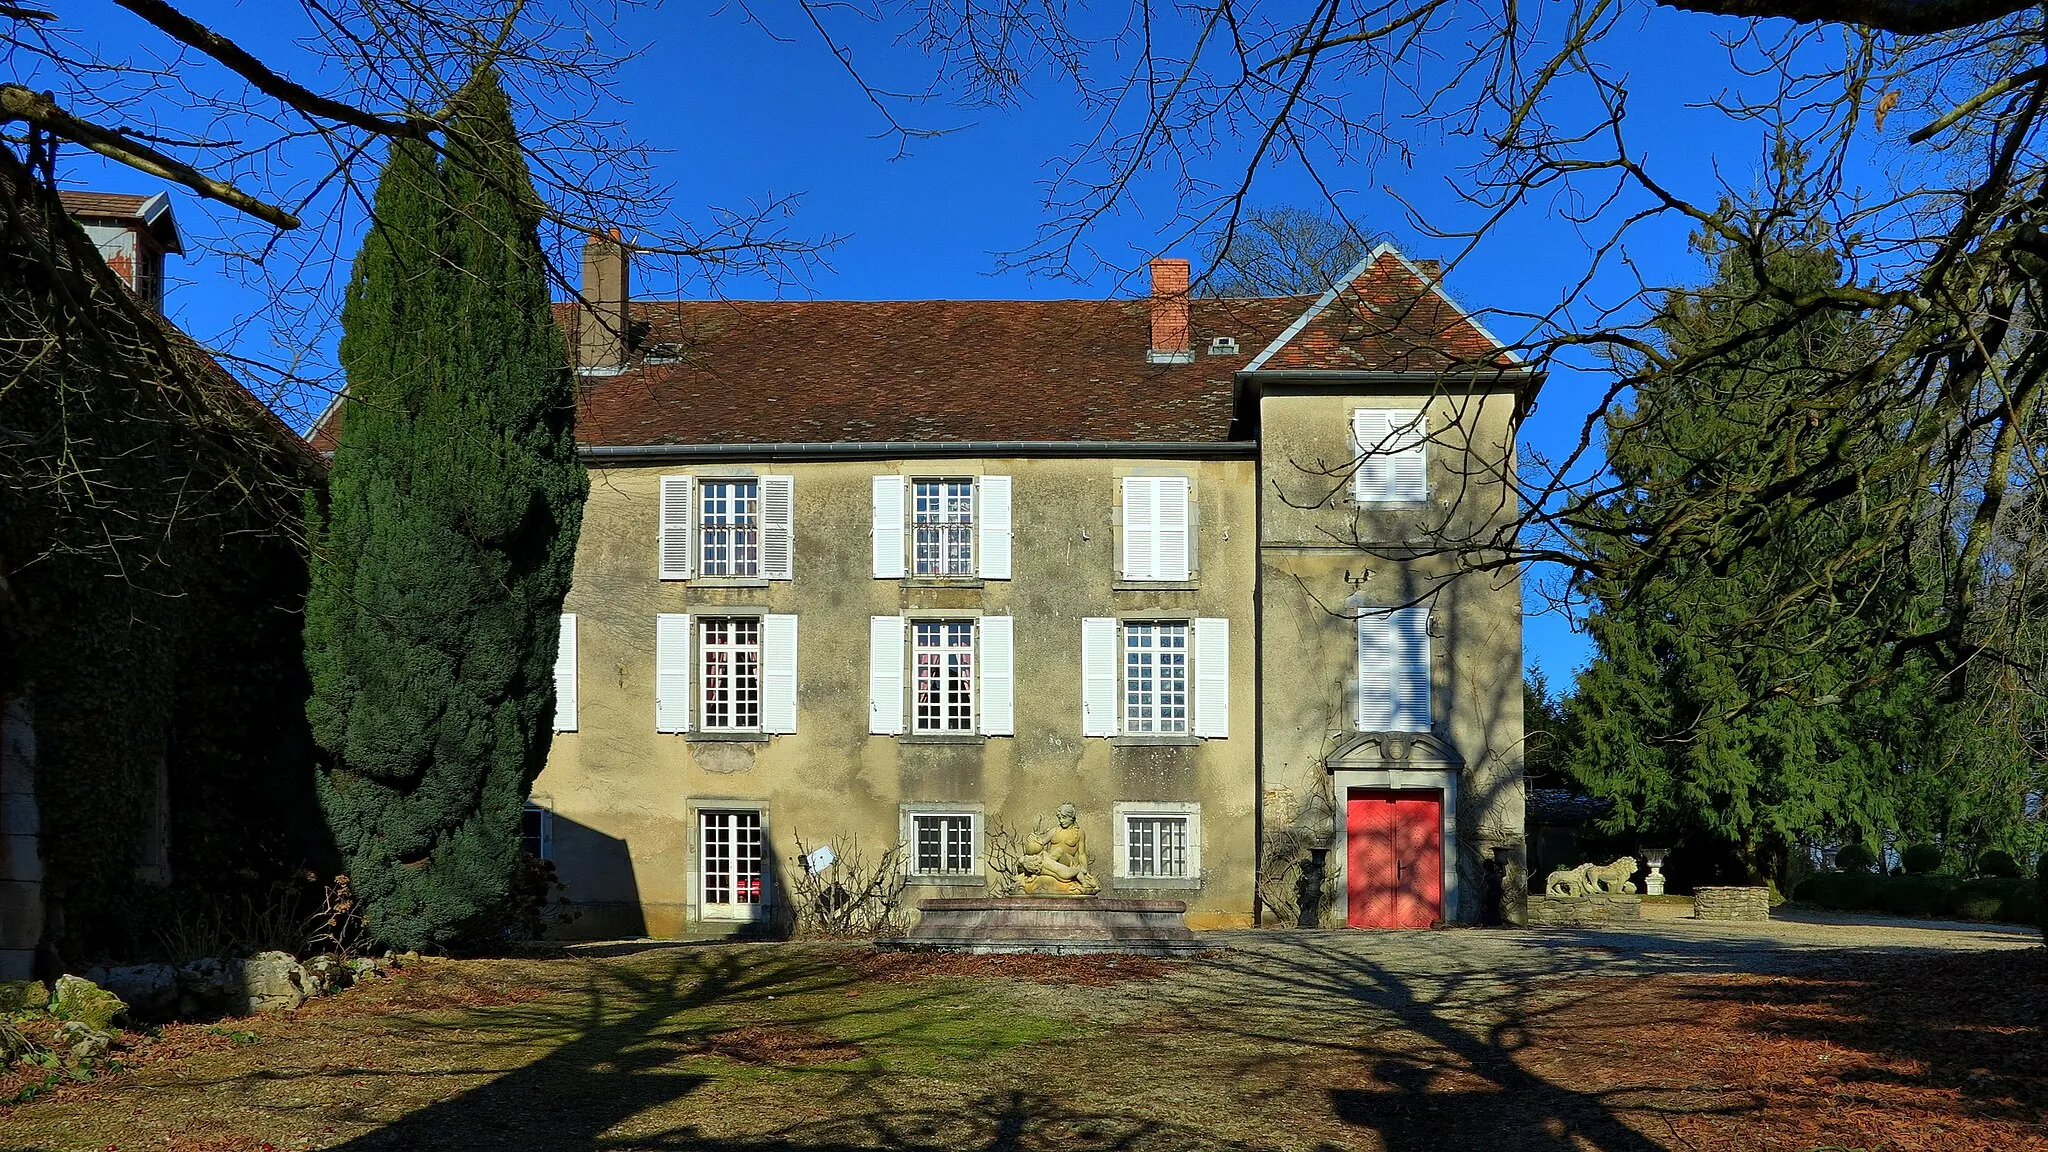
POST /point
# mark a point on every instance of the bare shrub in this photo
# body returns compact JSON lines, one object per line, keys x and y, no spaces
{"x":855,"y":896}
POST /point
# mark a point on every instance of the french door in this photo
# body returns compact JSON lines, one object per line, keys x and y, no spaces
{"x":733,"y":872}
{"x":1393,"y":858}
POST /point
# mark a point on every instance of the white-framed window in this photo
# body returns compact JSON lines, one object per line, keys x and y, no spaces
{"x":742,"y":670}
{"x":728,"y":527}
{"x":1157,"y":841}
{"x":537,"y":832}
{"x":1158,"y":529}
{"x":1394,"y":669}
{"x":950,"y":677}
{"x":942,"y":676}
{"x":942,"y":528}
{"x":944,"y":844}
{"x":730,"y":522}
{"x":946,"y":528}
{"x":1392,"y":446}
{"x":730,"y":649}
{"x":732,"y":859}
{"x":1156,"y":677}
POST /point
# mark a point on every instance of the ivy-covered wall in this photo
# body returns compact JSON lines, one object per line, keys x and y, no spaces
{"x":152,"y":581}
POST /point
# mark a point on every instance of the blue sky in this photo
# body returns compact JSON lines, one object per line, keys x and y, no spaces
{"x":739,"y":115}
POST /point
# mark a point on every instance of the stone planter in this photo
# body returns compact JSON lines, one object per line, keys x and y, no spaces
{"x":1731,"y":904}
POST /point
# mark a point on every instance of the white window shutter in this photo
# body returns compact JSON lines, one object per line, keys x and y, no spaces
{"x":1098,"y":677}
{"x":885,"y":675}
{"x":1408,"y":468}
{"x":1212,"y":679}
{"x":1369,"y":480}
{"x":671,"y":672}
{"x":888,"y":530}
{"x":993,"y":494}
{"x":1174,"y":529}
{"x":565,"y":675}
{"x":1393,"y":448}
{"x":1411,"y":678}
{"x":998,"y":676}
{"x":1378,"y":656}
{"x":1141,"y":532}
{"x":778,"y":673}
{"x":676,"y":494}
{"x":778,"y":527}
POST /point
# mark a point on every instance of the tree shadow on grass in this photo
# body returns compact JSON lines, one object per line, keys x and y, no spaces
{"x":1467,"y":1085}
{"x":620,"y":1061}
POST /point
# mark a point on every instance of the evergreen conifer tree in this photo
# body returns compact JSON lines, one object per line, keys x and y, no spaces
{"x":1681,"y":719}
{"x":444,"y":553}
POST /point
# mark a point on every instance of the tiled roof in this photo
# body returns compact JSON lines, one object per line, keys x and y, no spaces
{"x":936,"y":371}
{"x":1387,"y":319}
{"x":113,"y":205}
{"x":927,"y":370}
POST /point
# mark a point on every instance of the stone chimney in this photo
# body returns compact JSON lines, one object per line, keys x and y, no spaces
{"x":1171,"y":339}
{"x":601,"y":335}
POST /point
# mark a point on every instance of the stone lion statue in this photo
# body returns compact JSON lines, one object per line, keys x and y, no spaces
{"x":1588,"y":879}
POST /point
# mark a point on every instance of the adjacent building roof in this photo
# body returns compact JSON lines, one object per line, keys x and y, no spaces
{"x":153,"y":213}
{"x":938,"y":371}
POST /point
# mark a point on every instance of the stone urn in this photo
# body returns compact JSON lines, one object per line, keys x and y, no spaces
{"x":1653,"y":859}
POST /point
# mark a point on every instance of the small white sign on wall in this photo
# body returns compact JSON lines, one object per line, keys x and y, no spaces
{"x":820,"y":858}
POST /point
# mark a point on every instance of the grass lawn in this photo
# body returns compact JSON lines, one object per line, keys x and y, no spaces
{"x":757,"y":1047}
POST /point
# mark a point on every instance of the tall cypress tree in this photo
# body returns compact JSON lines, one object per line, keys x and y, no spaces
{"x":444,"y":554}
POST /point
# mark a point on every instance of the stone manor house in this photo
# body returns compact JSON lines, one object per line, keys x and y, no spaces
{"x":863,"y":574}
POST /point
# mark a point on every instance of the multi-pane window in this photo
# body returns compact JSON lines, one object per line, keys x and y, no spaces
{"x":1156,"y":678}
{"x":942,"y":523}
{"x":1156,"y":846}
{"x":731,"y":648}
{"x":942,"y":653}
{"x":533,"y":832}
{"x":943,"y":844}
{"x":731,"y":526}
{"x":734,"y":861}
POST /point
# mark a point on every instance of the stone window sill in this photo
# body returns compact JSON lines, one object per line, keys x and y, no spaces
{"x":1156,"y":883}
{"x":1154,"y":741}
{"x":729,"y":582}
{"x":942,"y":738}
{"x":943,"y":582}
{"x":729,"y":737}
{"x":1155,"y":586}
{"x":975,"y":882}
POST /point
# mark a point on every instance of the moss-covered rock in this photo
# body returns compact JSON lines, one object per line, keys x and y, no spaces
{"x":24,"y":996}
{"x":77,"y":998}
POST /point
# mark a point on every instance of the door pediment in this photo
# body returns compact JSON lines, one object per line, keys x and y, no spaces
{"x":1376,"y":751}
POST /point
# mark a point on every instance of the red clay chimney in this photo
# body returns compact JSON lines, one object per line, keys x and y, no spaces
{"x":607,"y":271}
{"x":1170,"y":337}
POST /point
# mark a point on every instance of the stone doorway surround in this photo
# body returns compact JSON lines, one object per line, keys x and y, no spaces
{"x":1397,"y":761}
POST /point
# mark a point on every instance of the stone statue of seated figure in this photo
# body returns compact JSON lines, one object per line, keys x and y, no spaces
{"x":1056,"y":863}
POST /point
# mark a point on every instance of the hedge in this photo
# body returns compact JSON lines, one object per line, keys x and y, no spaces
{"x":2014,"y":901}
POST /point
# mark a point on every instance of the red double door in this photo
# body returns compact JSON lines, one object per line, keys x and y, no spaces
{"x":1394,"y":858}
